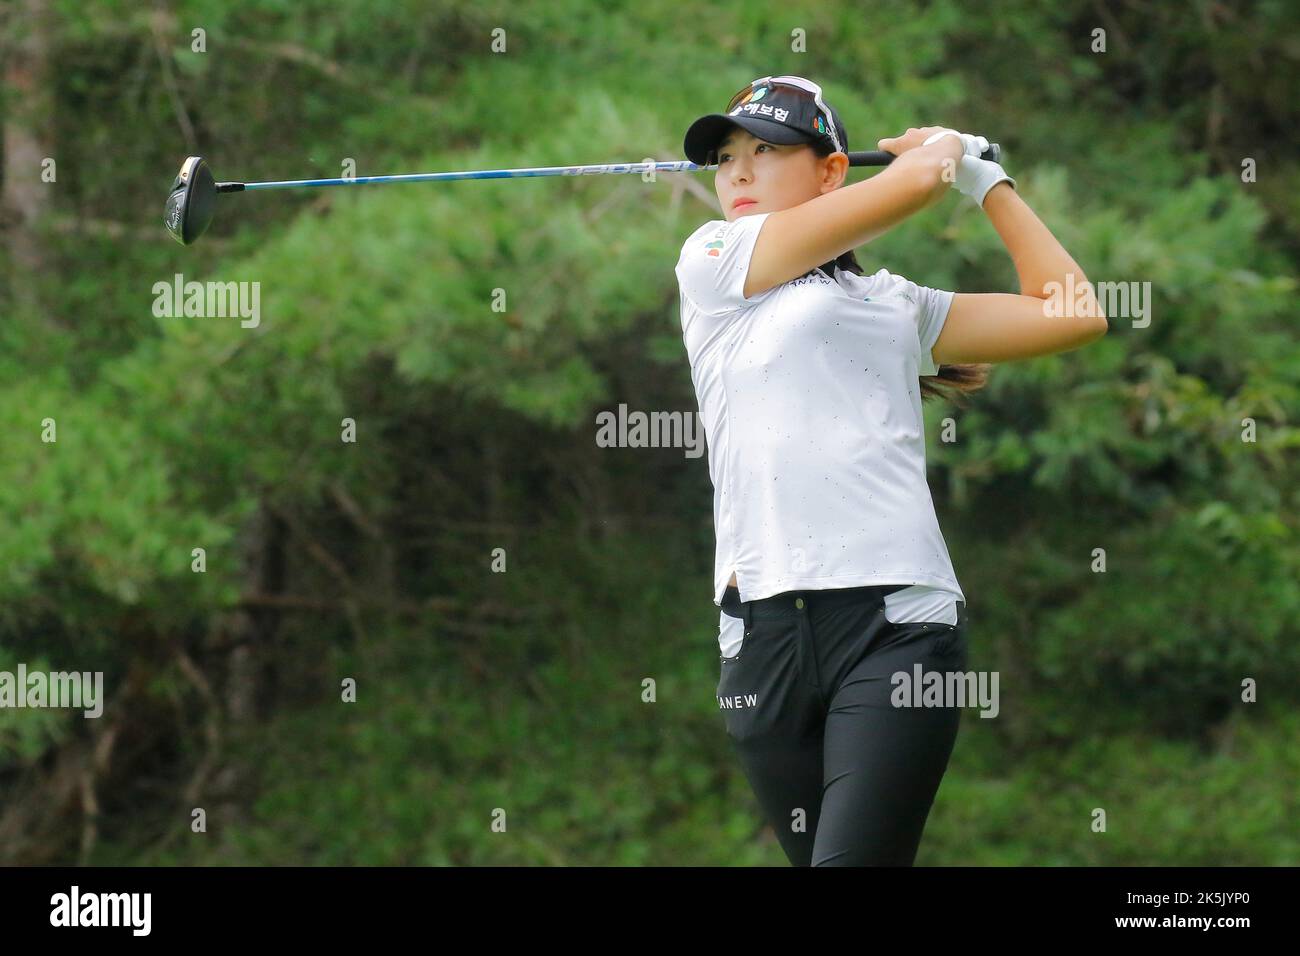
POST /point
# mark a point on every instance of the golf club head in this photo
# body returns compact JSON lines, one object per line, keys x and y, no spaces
{"x":192,"y":201}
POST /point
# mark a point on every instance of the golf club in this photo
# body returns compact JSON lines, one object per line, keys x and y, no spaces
{"x":193,"y":198}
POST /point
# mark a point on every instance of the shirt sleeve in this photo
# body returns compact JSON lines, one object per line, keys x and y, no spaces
{"x":930,"y":310}
{"x":714,"y":262}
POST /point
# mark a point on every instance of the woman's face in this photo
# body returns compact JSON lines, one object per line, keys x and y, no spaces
{"x":774,"y":175}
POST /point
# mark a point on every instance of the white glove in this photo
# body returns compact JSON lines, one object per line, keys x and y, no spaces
{"x":975,"y":177}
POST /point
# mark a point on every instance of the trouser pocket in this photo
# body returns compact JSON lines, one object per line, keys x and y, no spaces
{"x":950,"y":645}
{"x":944,"y":644}
{"x":731,"y":636}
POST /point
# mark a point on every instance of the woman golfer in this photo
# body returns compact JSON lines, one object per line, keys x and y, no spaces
{"x":834,"y":582}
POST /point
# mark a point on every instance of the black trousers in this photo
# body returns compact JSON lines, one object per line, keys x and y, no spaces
{"x":844,"y":776}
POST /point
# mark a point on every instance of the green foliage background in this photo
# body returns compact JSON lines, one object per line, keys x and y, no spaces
{"x":524,"y":691}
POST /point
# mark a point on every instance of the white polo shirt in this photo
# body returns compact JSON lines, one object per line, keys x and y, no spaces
{"x":811,"y":406}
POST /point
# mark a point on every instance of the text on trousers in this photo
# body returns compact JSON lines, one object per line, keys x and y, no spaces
{"x":739,"y":700}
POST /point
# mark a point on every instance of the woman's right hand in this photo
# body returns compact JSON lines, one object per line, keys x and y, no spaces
{"x":914,"y":137}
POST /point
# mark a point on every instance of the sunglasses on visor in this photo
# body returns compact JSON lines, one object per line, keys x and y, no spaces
{"x":801,"y":87}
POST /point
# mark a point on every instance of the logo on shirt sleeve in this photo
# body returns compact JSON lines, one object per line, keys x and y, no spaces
{"x":714,"y":247}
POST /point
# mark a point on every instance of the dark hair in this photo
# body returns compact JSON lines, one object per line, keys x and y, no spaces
{"x":953,"y":381}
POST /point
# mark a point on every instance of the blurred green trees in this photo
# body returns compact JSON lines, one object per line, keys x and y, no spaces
{"x":475,"y":426}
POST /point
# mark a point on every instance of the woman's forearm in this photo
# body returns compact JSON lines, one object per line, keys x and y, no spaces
{"x":1039,"y":258}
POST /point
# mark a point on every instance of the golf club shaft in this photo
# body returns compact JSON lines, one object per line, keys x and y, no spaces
{"x":867,"y":158}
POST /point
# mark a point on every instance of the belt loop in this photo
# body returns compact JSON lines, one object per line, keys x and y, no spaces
{"x":749,"y":615}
